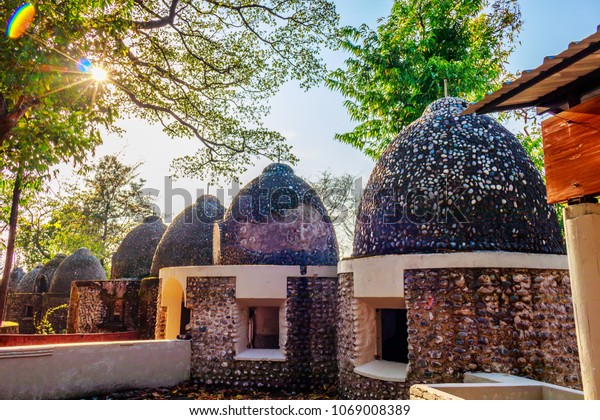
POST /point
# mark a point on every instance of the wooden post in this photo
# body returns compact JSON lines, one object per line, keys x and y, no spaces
{"x":582,"y":228}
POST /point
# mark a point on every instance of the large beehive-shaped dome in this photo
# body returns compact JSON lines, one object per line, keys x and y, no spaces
{"x":189,"y":239}
{"x":27,"y":283}
{"x":44,"y":277}
{"x":81,"y":265}
{"x":133,"y":258}
{"x":455,"y":183}
{"x":277,"y":219}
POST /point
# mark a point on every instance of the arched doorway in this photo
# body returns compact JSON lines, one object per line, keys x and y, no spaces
{"x":172,"y":299}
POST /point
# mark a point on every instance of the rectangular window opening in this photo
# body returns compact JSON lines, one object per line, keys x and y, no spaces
{"x":28,"y":311}
{"x":392,"y":335}
{"x":263,"y":327}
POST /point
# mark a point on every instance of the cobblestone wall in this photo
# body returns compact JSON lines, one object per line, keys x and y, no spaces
{"x":513,"y":321}
{"x":161,"y":315}
{"x":310,"y":345}
{"x":16,"y":312}
{"x":148,"y":298}
{"x":491,"y":320}
{"x":104,"y":306}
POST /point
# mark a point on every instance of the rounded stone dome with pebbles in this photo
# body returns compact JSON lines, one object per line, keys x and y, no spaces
{"x":44,"y":277}
{"x":27,"y":283}
{"x":189,"y":239}
{"x":455,"y":183}
{"x":277,"y":219}
{"x":133,"y":258}
{"x":81,"y":265}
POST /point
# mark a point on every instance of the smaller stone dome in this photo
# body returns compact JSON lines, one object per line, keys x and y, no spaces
{"x":15,"y":277}
{"x":27,"y":283}
{"x":277,"y":219}
{"x":189,"y":239}
{"x":133,"y":258}
{"x":81,"y":265}
{"x":44,"y":277}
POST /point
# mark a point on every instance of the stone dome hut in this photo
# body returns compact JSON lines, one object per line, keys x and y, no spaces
{"x":264,"y":315}
{"x":189,"y":239}
{"x":31,"y":297}
{"x":133,"y":258}
{"x":27,"y":283}
{"x":15,"y":277}
{"x":44,"y":277}
{"x":81,"y":265}
{"x":456,"y":210}
{"x":277,"y":219}
{"x":452,"y":183}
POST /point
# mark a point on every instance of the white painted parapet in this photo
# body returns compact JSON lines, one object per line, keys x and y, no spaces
{"x":76,"y":370}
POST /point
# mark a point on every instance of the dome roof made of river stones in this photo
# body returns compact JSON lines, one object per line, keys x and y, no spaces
{"x":455,"y":183}
{"x":81,"y":265}
{"x":133,"y":258}
{"x":189,"y":239}
{"x":278,"y":219}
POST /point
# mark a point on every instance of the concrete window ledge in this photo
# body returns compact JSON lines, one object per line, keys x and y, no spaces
{"x":266,"y":355}
{"x":383,"y":370}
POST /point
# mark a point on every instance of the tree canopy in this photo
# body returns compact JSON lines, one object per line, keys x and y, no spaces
{"x":394,"y":72}
{"x":201,"y":68}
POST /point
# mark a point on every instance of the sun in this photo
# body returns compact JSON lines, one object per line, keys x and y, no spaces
{"x":99,"y":74}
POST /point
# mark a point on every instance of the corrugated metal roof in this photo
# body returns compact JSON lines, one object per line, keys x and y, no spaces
{"x":534,"y":87}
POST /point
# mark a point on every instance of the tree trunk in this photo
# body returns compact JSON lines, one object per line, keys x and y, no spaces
{"x":10,"y":246}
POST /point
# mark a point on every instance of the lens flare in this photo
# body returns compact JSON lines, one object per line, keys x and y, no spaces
{"x":84,"y":65}
{"x":20,"y":21}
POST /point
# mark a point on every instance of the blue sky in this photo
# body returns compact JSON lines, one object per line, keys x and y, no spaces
{"x":310,"y":119}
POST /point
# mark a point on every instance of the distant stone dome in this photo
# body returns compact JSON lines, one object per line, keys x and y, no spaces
{"x":27,"y":283}
{"x":133,"y":258}
{"x":81,"y":265}
{"x":188,"y":240}
{"x":277,"y":219}
{"x":44,"y":277}
{"x":15,"y":278}
{"x":455,"y":183}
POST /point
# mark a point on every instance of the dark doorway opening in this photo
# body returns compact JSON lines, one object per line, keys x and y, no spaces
{"x":393,"y":335}
{"x":264,"y":327}
{"x":186,"y":316}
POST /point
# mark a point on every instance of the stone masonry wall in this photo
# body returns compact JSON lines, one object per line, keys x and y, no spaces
{"x":15,"y":310}
{"x":92,"y":306}
{"x":513,"y":321}
{"x":161,"y":315}
{"x":310,"y":346}
{"x":148,"y":298}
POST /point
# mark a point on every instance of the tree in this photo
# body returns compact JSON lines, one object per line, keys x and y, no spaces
{"x":201,"y":68}
{"x":396,"y":71}
{"x":340,"y":197}
{"x":96,"y":213}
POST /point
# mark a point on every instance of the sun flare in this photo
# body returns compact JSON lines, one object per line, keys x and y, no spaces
{"x":100,"y":75}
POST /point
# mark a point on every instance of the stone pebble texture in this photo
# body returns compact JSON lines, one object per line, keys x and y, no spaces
{"x":455,"y":183}
{"x":309,"y":347}
{"x":514,"y":321}
{"x":277,"y":219}
{"x":511,"y":321}
{"x":81,"y":265}
{"x":133,"y":258}
{"x":92,"y":306}
{"x":44,"y":277}
{"x":27,"y":283}
{"x":189,"y":239}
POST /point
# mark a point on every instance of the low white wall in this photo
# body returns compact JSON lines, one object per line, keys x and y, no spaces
{"x":383,"y":276}
{"x":75,"y":370}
